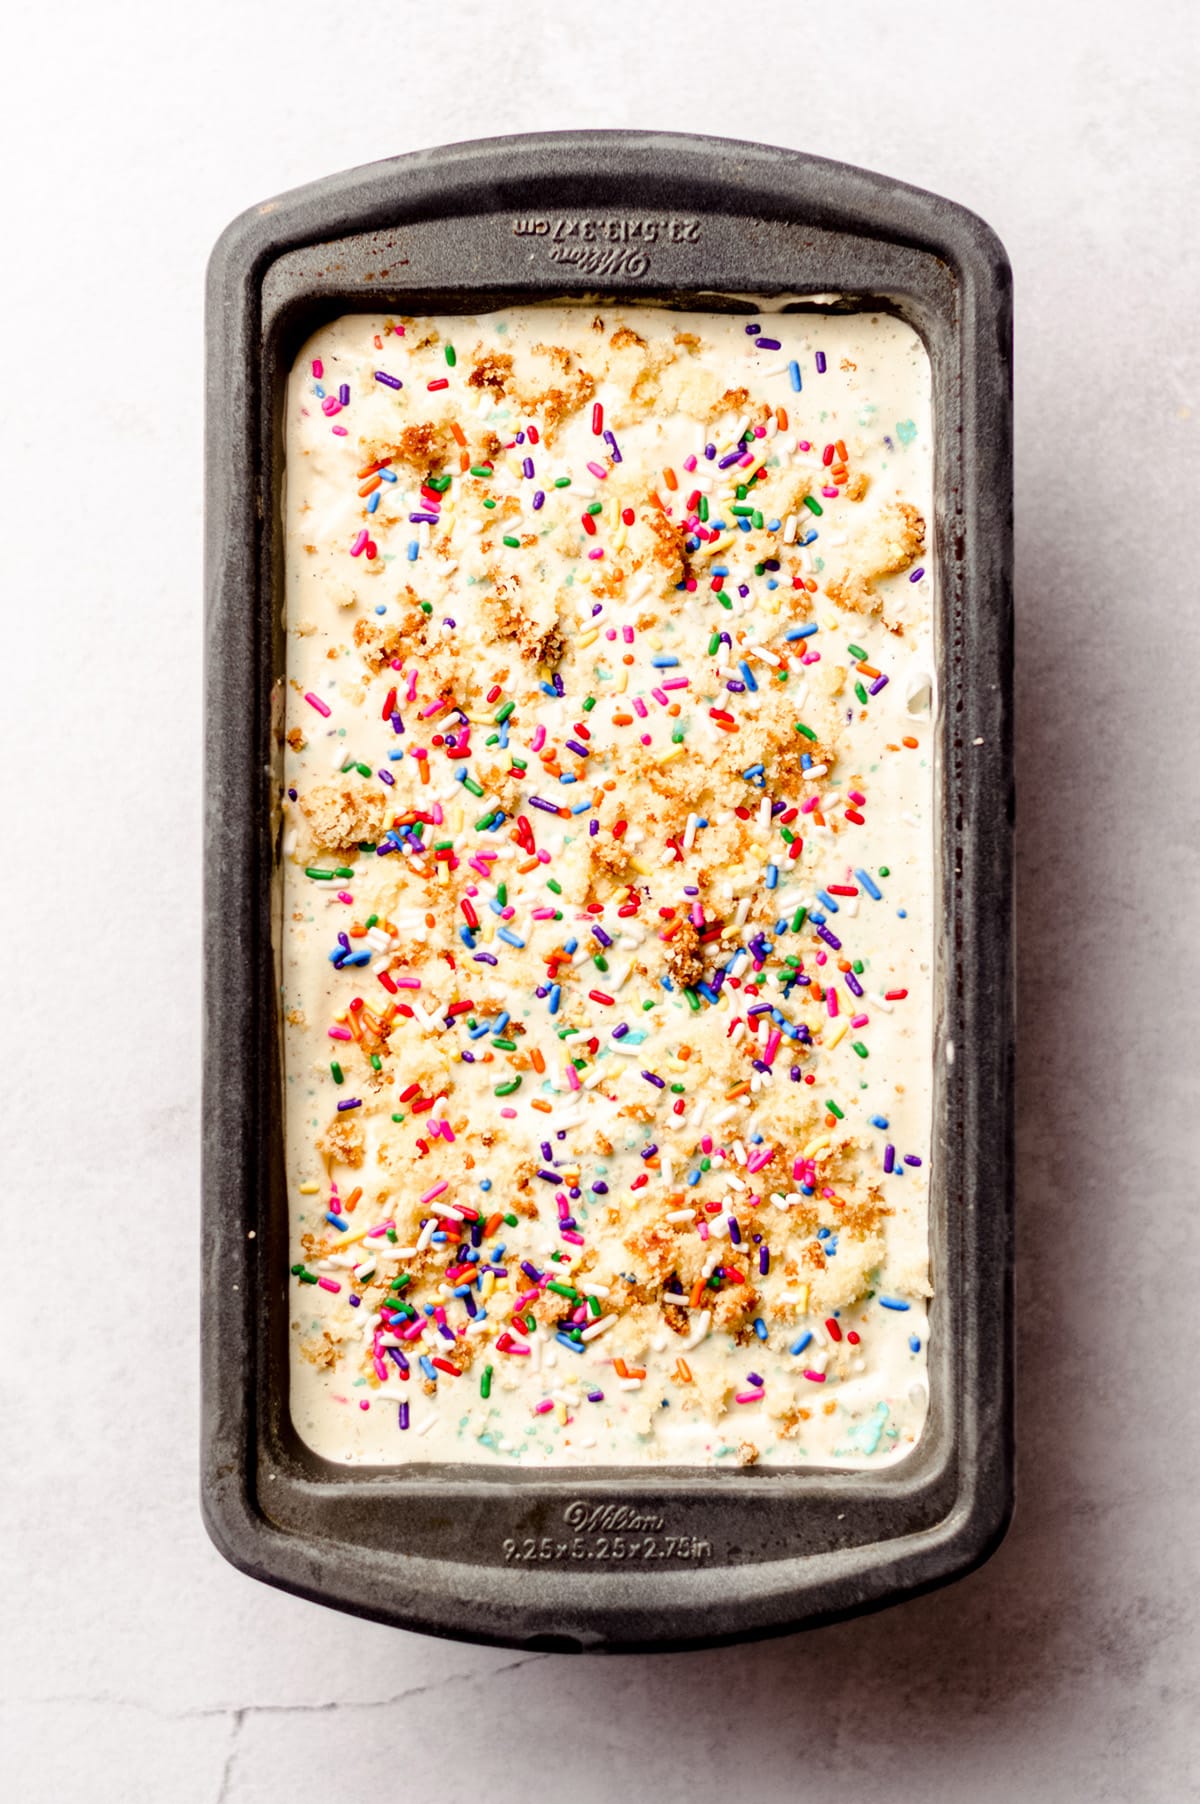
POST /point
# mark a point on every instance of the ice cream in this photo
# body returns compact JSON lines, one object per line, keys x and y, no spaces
{"x":606,"y":934}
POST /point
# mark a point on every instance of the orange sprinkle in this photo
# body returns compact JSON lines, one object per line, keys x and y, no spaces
{"x":531,"y":864}
{"x":424,"y":763}
{"x":697,"y":1292}
{"x":539,"y":1102}
{"x":840,"y":448}
{"x":369,"y":487}
{"x":670,"y":478}
{"x":910,"y":742}
{"x":381,"y":463}
{"x":539,"y":1061}
{"x":781,"y":418}
{"x":656,"y":498}
{"x":740,"y":1090}
{"x":622,"y":720}
{"x":867,"y":669}
{"x":683,"y":1371}
{"x":460,"y":437}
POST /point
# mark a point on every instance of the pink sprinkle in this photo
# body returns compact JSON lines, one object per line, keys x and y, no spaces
{"x":339,"y":431}
{"x":831,"y":1001}
{"x":539,"y":1409}
{"x":677,"y":683}
{"x":340,"y":1033}
{"x":407,"y":983}
{"x":749,"y":1396}
{"x":757,"y":1160}
{"x":438,"y":816}
{"x":360,"y":543}
{"x":691,"y":585}
{"x":314,"y":701}
{"x":575,"y":1239}
{"x":330,"y":405}
{"x":807,"y":807}
{"x":436,"y":1191}
{"x":344,"y":895}
{"x":689,"y":463}
{"x":859,"y":1020}
{"x":515,"y":1347}
{"x":702,"y":1229}
{"x":572,"y":1077}
{"x":598,"y":553}
{"x":364,"y":1403}
{"x":803,"y":444}
{"x":857,"y":799}
{"x":769,"y":1058}
{"x":543,"y":856}
{"x":697,"y":915}
{"x":707,"y":1144}
{"x":543,"y":914}
{"x":434,"y":709}
{"x":509,"y":1114}
{"x":659,"y":696}
{"x":640,"y":708}
{"x":382,"y":1228}
{"x":815,"y":1377}
{"x":328,"y":1284}
{"x":380,"y":1368}
{"x":413,"y":1331}
{"x":598,"y":470}
{"x":318,"y":369}
{"x":627,"y":634}
{"x":829,"y":493}
{"x":538,"y":740}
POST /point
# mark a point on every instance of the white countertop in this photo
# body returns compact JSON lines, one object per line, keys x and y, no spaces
{"x":139,"y":1665}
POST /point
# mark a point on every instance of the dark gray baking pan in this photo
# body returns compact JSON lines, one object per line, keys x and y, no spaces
{"x":631,"y":1558}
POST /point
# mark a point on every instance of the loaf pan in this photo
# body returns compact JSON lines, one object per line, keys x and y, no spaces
{"x":635,"y":1558}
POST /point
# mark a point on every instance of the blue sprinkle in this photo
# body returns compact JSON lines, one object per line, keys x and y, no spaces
{"x":760,"y":1327}
{"x":576,"y":1346}
{"x":801,"y":632}
{"x":804,"y":1341}
{"x":413,"y":551}
{"x":772,"y":875}
{"x":914,"y":1341}
{"x":665,"y":662}
{"x":870,"y":885}
{"x":879,"y":1121}
{"x":794,"y":373}
{"x":892,"y":1303}
{"x":510,"y":938}
{"x":748,"y":675}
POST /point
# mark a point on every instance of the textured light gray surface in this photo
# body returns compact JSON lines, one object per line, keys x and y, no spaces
{"x":137,"y":1664}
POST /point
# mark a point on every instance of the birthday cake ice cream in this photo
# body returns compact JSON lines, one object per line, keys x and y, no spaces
{"x":606,"y":936}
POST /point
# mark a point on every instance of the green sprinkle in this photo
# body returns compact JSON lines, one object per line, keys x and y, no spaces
{"x":339,"y":1076}
{"x":511,"y":1220}
{"x":376,"y":1062}
{"x":451,"y":357}
{"x":807,"y":731}
{"x":834,"y":1110}
{"x":503,"y":713}
{"x":505,"y":1045}
{"x":677,"y":1090}
{"x":649,"y":1003}
{"x":562,"y":482}
{"x":798,"y":919}
{"x":858,"y":967}
{"x":589,"y":704}
{"x":813,"y":505}
{"x":513,"y":1084}
{"x":861,"y":693}
{"x":312,"y":870}
{"x":483,"y":471}
{"x":397,"y":1118}
{"x":593,"y":1304}
{"x":513,"y":543}
{"x":502,"y":894}
{"x":307,"y":1277}
{"x":787,"y":834}
{"x":714,"y":645}
{"x":485,"y":820}
{"x":427,"y":607}
{"x":371,"y":920}
{"x":600,"y":962}
{"x":555,"y":885}
{"x":693,"y":1001}
{"x":724,"y":600}
{"x":884,"y":871}
{"x":439,"y":484}
{"x":756,"y":520}
{"x":485,"y":1382}
{"x":742,"y":512}
{"x":594,"y":507}
{"x":856,"y":651}
{"x":702,"y":508}
{"x":475,"y":788}
{"x":858,"y":1047}
{"x":563,"y":1290}
{"x":488,"y":502}
{"x":519,"y":764}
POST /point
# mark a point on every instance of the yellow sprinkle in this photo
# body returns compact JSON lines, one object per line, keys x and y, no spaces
{"x":676,"y":751}
{"x":802,"y":1299}
{"x":309,"y":1189}
{"x":838,"y":1035}
{"x":816,"y":1146}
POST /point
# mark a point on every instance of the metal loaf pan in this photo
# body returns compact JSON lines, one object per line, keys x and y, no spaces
{"x":632,"y":1558}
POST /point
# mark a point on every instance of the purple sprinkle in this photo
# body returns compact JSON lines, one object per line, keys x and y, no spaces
{"x":600,"y":1187}
{"x":730,"y":457}
{"x":539,"y":497}
{"x":351,"y":1102}
{"x":546,"y":807}
{"x":580,"y":751}
{"x":911,"y":1159}
{"x":880,"y":682}
{"x":618,"y":1033}
{"x":527,"y":466}
{"x":917,"y":575}
{"x":595,"y":1396}
{"x":768,"y":344}
{"x":344,"y":394}
{"x":424,"y":518}
{"x":344,"y":940}
{"x":397,"y":724}
{"x":593,"y":828}
{"x":385,"y":776}
{"x":485,"y":958}
{"x":604,"y":938}
{"x":764,"y":1261}
{"x":388,"y":381}
{"x":820,"y":360}
{"x":889,"y":1157}
{"x":710,"y":451}
{"x":612,"y":445}
{"x":735,"y":1233}
{"x":660,"y":1083}
{"x":404,"y":1415}
{"x":753,"y":331}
